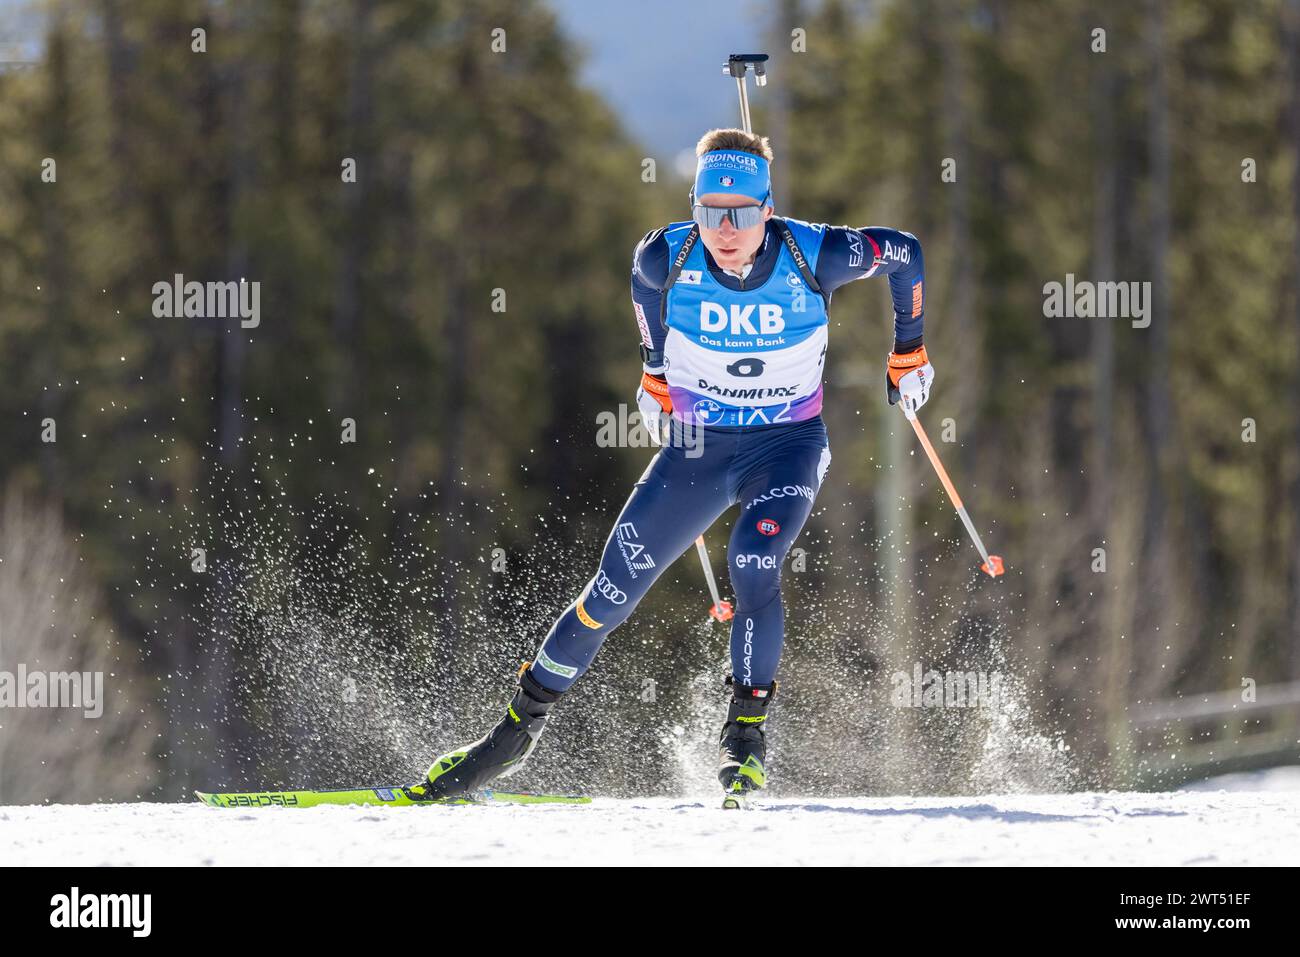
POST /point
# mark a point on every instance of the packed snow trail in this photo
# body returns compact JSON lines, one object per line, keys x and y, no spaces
{"x":1180,"y":828}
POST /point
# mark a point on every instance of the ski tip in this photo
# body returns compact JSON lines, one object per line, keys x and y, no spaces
{"x":211,"y":798}
{"x":528,"y":797}
{"x":377,"y":796}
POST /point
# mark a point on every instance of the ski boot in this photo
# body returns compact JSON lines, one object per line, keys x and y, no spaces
{"x":502,"y":751}
{"x":743,"y":747}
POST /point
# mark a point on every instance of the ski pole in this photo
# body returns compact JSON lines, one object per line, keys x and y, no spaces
{"x":739,"y":65}
{"x":992,"y":565}
{"x":721,"y":610}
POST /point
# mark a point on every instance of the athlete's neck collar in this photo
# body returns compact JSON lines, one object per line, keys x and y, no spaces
{"x":758,"y":254}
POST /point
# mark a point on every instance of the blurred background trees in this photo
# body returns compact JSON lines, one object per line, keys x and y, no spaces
{"x":359,"y":604}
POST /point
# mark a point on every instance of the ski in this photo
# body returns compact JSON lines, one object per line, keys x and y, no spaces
{"x":392,"y":796}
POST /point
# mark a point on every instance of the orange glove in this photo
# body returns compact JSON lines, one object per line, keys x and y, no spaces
{"x":908,"y":377}
{"x":657,"y":386}
{"x":654,"y":402}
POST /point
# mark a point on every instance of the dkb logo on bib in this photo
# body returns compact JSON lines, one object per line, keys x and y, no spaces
{"x":714,"y":318}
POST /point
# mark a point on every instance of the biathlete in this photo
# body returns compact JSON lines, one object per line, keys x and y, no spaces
{"x":732,"y":307}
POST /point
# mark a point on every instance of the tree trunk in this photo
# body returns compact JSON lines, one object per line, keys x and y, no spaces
{"x":1292,"y":42}
{"x":1116,"y":661}
{"x":1156,"y":566}
{"x":356,"y":213}
{"x":961,"y":303}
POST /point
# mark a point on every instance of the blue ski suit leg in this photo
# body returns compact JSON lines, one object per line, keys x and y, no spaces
{"x":778,"y":482}
{"x":773,"y":472}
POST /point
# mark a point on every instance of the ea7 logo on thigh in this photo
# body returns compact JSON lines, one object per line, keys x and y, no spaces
{"x":635,"y":557}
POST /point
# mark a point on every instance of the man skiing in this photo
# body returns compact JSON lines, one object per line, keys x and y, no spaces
{"x":732,"y":307}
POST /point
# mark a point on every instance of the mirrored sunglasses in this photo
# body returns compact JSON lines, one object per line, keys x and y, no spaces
{"x":742,"y":217}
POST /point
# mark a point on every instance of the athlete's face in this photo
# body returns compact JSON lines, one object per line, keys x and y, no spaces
{"x":730,"y":247}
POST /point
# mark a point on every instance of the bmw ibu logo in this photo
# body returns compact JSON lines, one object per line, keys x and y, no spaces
{"x":706,"y":410}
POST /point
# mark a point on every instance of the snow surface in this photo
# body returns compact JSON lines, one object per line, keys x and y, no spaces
{"x":1179,"y":828}
{"x":1270,"y":779}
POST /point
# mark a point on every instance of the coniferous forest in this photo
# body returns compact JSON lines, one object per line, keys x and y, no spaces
{"x":308,"y":539}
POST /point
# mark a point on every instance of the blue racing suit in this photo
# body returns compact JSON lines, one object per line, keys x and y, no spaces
{"x":743,"y":359}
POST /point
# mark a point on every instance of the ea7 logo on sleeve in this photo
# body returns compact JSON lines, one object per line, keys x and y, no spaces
{"x":75,"y":910}
{"x":855,"y":249}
